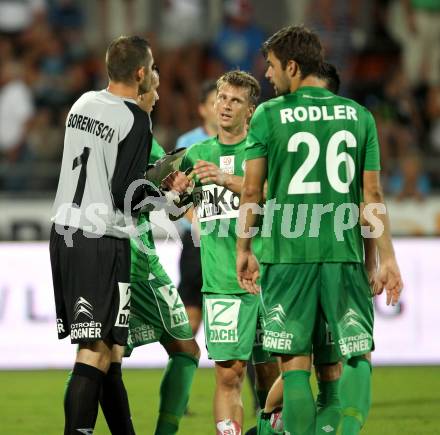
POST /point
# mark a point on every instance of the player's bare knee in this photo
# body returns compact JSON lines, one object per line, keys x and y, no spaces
{"x":296,"y":362}
{"x":192,"y":348}
{"x":367,"y":356}
{"x":186,"y":346}
{"x":230,"y":374}
{"x":328,"y":372}
{"x":266,"y":374}
{"x":97,"y":354}
{"x":117,"y":353}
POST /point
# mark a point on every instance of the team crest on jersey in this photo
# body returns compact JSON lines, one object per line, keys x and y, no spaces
{"x":227,"y":164}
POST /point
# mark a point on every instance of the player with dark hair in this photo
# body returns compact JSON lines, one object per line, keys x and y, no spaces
{"x":325,"y":358}
{"x":320,"y":150}
{"x":230,"y":315}
{"x":106,"y":148}
{"x":329,"y":74}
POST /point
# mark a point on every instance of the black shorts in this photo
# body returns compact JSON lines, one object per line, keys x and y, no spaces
{"x":190,"y":273}
{"x":91,"y":286}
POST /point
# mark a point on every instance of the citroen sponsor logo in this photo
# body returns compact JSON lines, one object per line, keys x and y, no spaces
{"x":276,"y":315}
{"x":82,"y":307}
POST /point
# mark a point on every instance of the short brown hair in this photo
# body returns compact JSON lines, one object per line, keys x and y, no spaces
{"x":125,"y":55}
{"x":242,"y":79}
{"x":296,"y":43}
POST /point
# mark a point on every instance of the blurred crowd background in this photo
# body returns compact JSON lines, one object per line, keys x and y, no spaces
{"x":51,"y":51}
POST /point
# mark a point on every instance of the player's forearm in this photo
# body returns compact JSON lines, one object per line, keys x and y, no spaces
{"x":233,"y":183}
{"x":369,"y":244}
{"x":383,"y":239}
{"x":370,"y":254}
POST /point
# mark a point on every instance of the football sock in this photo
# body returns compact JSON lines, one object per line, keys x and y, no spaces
{"x":299,"y":410}
{"x":174,"y":391}
{"x":328,"y":405}
{"x":114,"y":402}
{"x":264,"y":423}
{"x":81,"y":399}
{"x":355,"y":394}
{"x":227,"y":427}
{"x":262,"y":396}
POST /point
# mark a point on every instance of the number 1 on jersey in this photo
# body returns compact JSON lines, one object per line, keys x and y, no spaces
{"x":80,"y":160}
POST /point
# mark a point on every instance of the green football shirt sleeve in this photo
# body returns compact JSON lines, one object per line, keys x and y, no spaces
{"x":257,"y":138}
{"x":372,"y":153}
{"x":156,"y":152}
{"x":187,"y":161}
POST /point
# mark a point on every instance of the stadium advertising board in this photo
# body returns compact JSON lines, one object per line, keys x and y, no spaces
{"x":405,"y":334}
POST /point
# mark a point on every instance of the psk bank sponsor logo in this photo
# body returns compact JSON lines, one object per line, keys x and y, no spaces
{"x":88,"y":328}
{"x":215,"y":202}
{"x":223,"y":320}
{"x":275,"y":339}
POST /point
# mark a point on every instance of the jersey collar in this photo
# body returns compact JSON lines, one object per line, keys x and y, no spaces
{"x":232,"y":144}
{"x":314,"y":91}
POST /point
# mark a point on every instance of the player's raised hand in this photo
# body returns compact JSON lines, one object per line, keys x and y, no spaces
{"x":248,"y":271}
{"x":208,"y":172}
{"x":176,"y":181}
{"x":389,"y":278}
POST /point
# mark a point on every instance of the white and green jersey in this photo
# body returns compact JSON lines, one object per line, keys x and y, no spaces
{"x":107,"y":144}
{"x":217,"y":211}
{"x":317,"y":146}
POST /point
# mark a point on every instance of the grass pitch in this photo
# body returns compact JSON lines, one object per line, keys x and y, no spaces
{"x":406,"y":401}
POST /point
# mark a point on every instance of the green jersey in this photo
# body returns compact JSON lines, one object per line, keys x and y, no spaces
{"x":140,"y":263}
{"x":217,"y":212}
{"x":317,"y":146}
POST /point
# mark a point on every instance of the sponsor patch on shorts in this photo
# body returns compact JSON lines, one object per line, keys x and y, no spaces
{"x":223,"y":320}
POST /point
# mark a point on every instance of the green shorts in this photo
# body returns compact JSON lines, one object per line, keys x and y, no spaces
{"x":156,"y":312}
{"x":323,"y":345}
{"x":233,"y":327}
{"x":295,"y":296}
